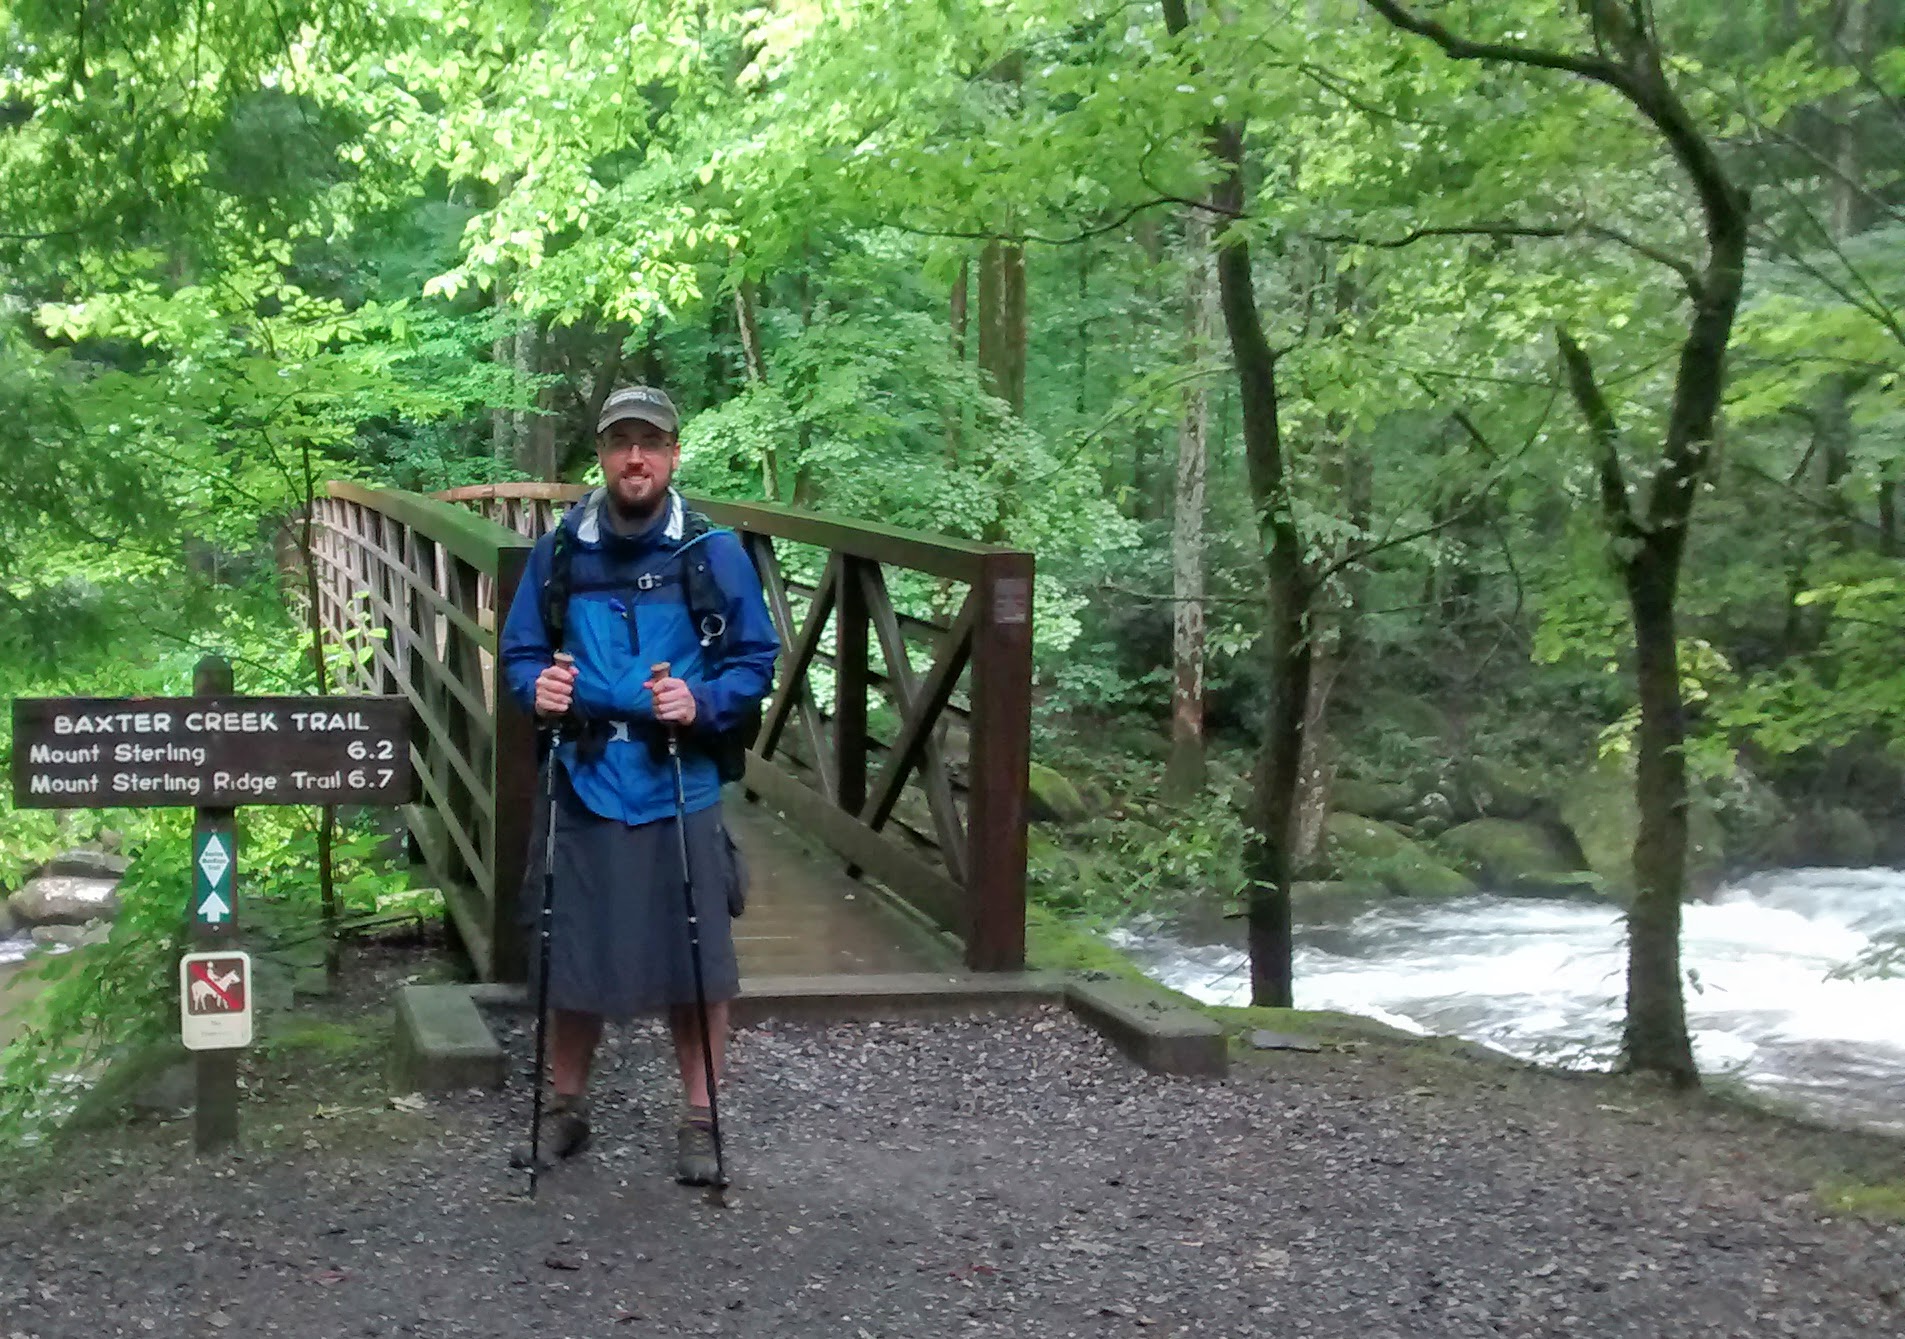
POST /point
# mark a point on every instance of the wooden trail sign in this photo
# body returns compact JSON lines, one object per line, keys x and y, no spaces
{"x":212,"y":752}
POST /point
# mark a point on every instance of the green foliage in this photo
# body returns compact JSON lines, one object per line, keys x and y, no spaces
{"x":1142,"y":855}
{"x":1852,"y":683}
{"x":107,"y":1002}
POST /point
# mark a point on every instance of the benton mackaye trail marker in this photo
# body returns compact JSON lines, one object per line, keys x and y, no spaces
{"x":213,"y":752}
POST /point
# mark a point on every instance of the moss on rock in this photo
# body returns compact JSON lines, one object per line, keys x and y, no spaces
{"x":1363,"y":850}
{"x":1491,"y":788}
{"x":1371,"y":799}
{"x":1599,"y":808}
{"x":1054,"y":799}
{"x":1515,"y":857}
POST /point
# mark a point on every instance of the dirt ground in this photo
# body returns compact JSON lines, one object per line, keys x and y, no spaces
{"x":1012,"y":1177}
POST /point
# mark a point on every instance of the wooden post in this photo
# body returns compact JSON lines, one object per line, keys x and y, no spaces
{"x":850,"y":688}
{"x":513,"y":788}
{"x":215,"y":1118}
{"x":1001,"y":759}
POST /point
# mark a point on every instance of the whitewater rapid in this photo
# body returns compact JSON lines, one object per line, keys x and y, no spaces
{"x":1544,"y":980}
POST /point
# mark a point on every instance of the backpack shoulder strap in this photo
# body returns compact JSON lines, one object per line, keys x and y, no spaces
{"x":556,"y":588}
{"x":707,"y":602}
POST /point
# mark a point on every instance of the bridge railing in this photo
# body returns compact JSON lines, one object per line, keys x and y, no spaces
{"x":899,"y":728}
{"x":407,"y":592}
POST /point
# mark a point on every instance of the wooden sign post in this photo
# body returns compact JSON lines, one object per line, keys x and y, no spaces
{"x":214,"y":924}
{"x":213,"y":751}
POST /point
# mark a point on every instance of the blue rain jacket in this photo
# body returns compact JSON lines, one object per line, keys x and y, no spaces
{"x":617,"y":633}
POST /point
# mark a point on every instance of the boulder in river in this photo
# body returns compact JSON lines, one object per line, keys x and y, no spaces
{"x":86,"y":863}
{"x":1053,"y":798}
{"x":1838,"y":836}
{"x":1515,"y":857}
{"x":1327,"y":900}
{"x":62,"y":899}
{"x":1371,"y":799}
{"x":1599,"y":809}
{"x":72,"y":936}
{"x":1490,"y":788}
{"x":1362,"y":849}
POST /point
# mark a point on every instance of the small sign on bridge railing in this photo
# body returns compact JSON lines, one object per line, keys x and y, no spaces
{"x":212,"y":752}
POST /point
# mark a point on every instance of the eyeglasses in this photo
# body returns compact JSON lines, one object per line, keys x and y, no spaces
{"x":647,"y":448}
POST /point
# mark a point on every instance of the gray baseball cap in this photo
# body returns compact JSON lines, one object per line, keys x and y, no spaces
{"x":643,"y":402}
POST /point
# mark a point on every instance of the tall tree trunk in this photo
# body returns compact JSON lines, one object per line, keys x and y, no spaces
{"x":1084,"y":332}
{"x":522,"y":420}
{"x":1184,"y":774}
{"x":536,"y":428}
{"x":502,"y":421}
{"x":1888,"y":513}
{"x":1002,"y":321}
{"x":756,"y":365}
{"x":957,"y":309}
{"x":956,"y":320}
{"x":1137,"y":494}
{"x":719,"y":369}
{"x":1655,"y":1037}
{"x":1002,"y":284}
{"x":1834,"y":431}
{"x":1316,"y":772}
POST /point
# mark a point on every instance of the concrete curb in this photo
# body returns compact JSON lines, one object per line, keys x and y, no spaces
{"x":1161,"y":1035}
{"x":444,"y":1043}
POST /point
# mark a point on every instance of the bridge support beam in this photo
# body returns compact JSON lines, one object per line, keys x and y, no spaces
{"x":1001,"y":761}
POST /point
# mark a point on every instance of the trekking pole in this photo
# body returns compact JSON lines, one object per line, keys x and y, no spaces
{"x":546,"y":922}
{"x":658,"y":672}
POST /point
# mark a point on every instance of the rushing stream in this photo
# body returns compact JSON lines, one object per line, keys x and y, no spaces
{"x":1544,"y":979}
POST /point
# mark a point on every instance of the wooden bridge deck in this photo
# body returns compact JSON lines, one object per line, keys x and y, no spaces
{"x":806,"y":917}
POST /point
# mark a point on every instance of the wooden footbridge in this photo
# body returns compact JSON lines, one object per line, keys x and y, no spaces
{"x":886,"y":823}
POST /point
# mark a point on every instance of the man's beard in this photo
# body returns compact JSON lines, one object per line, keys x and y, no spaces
{"x":641,"y":511}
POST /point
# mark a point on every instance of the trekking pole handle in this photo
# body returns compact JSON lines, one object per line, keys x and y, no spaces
{"x":554,"y":724}
{"x":659,"y":670}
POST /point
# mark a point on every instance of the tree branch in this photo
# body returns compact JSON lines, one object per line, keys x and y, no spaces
{"x":1685,"y":269}
{"x":1605,"y":429}
{"x":1324,"y":80}
{"x":1461,"y":48}
{"x":1805,"y":499}
{"x":1084,"y":235}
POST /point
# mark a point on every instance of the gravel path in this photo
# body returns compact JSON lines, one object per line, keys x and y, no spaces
{"x":1006,"y":1178}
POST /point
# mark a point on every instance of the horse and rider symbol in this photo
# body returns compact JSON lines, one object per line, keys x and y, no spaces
{"x":216,"y":985}
{"x":215,"y":1000}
